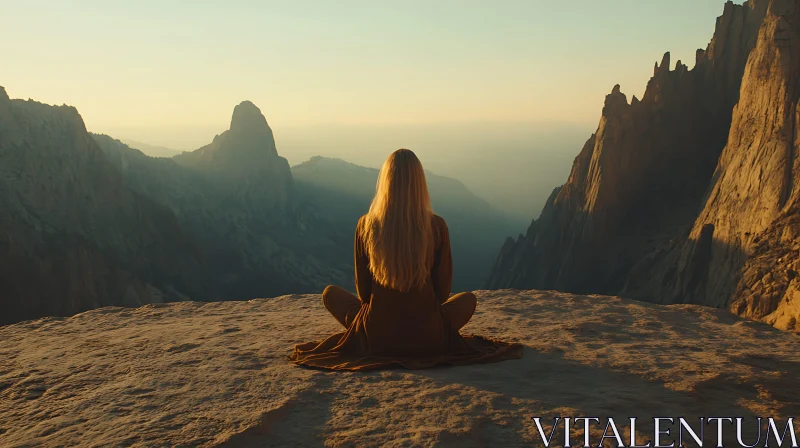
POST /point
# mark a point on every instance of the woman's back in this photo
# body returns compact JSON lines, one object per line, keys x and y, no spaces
{"x":401,"y":322}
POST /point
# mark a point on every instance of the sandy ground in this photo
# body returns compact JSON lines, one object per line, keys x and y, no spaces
{"x":209,"y":374}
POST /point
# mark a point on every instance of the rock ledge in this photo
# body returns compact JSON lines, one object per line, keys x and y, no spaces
{"x":207,"y":374}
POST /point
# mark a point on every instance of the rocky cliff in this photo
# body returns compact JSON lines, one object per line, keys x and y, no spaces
{"x":686,"y":195}
{"x":216,"y":374}
{"x":743,"y":248}
{"x":72,"y":236}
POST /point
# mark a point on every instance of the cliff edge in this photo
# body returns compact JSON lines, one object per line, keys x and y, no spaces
{"x":216,"y":374}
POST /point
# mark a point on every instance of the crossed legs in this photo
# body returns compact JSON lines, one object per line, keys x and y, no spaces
{"x":344,"y":306}
{"x":461,"y":307}
{"x":341,"y":304}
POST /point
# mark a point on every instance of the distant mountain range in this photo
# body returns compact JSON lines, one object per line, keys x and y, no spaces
{"x":88,"y":221}
{"x":234,"y":197}
{"x":151,"y":150}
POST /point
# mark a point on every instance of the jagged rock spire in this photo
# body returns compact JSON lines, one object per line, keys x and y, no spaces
{"x":664,"y":67}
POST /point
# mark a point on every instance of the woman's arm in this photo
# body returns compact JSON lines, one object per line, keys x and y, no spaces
{"x":361,"y":262}
{"x":442,"y":273}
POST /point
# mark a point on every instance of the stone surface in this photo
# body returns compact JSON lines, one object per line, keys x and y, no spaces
{"x":209,"y":374}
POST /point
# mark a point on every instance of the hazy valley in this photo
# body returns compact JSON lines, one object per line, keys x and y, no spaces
{"x":247,"y":223}
{"x":512,"y":166}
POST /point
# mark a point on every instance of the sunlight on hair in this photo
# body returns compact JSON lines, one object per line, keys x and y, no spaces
{"x":397,"y":229}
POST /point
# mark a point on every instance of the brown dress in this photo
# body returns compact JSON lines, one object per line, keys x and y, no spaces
{"x":408,"y":329}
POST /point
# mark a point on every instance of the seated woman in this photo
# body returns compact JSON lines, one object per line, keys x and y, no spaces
{"x":403,"y":314}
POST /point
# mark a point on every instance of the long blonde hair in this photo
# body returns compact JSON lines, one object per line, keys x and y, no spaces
{"x":397,"y":231}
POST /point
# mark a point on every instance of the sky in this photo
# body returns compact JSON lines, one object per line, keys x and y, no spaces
{"x":500,"y":95}
{"x":170,"y":72}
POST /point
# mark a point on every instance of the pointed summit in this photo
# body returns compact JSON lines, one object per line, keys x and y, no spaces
{"x":244,"y":159}
{"x":664,"y":67}
{"x":248,"y":141}
{"x":614,"y":101}
{"x":247,"y":117}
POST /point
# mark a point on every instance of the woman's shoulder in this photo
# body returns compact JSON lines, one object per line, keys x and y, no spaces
{"x":441,"y":235}
{"x":439,"y":223}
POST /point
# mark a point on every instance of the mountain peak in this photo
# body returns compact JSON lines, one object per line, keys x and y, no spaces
{"x":247,"y":116}
{"x":664,"y":67}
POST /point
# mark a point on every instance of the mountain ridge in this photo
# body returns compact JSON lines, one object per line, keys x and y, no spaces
{"x":151,"y":150}
{"x":256,"y":238}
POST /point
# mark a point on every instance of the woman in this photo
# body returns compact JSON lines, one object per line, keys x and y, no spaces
{"x":403,"y":313}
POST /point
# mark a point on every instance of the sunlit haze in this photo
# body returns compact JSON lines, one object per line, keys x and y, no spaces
{"x":350,"y":79}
